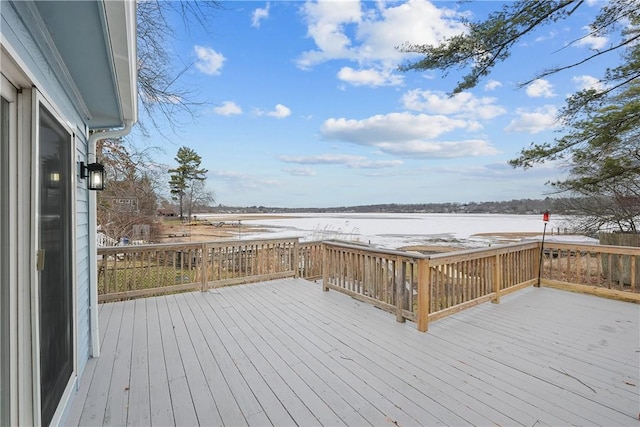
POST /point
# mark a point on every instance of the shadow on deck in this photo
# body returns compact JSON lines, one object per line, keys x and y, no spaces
{"x":285,"y":353}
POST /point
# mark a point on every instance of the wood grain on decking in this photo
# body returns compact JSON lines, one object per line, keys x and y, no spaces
{"x":286,"y":353}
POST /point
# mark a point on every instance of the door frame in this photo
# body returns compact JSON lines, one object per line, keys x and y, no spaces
{"x":9,"y":372}
{"x":40,"y":100}
{"x":23,"y":241}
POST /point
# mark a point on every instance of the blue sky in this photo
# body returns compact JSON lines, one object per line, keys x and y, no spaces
{"x":303,"y":105}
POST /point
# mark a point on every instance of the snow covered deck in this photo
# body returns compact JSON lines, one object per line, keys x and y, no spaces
{"x":284,"y":352}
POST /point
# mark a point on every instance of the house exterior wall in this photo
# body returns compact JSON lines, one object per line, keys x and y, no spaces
{"x":28,"y":67}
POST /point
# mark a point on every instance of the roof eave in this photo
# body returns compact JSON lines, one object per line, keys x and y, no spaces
{"x":120,"y":17}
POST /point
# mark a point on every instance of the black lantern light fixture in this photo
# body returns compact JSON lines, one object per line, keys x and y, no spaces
{"x":95,"y":173}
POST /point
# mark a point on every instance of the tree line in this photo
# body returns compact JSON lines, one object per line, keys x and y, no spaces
{"x":518,"y":207}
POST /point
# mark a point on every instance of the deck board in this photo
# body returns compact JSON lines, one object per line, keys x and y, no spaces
{"x":229,"y":412}
{"x":139,"y":413}
{"x":182,"y":401}
{"x":285,"y":353}
{"x":375,"y":368}
{"x":331,"y":409}
{"x":115,"y":412}
{"x":98,"y":393}
{"x":252,"y":393}
{"x":199,"y":388}
{"x":159,"y":396}
{"x":442,"y":393}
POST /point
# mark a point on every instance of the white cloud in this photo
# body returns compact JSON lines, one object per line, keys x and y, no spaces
{"x":550,"y":35}
{"x":326,"y":21}
{"x":392,"y":24}
{"x":492,"y":85}
{"x":439,"y":149}
{"x":462,"y":105}
{"x":228,"y":108}
{"x":209,"y":61}
{"x":368,"y":33}
{"x":501,"y":170}
{"x":407,"y":135}
{"x":227,"y":175}
{"x":369,"y":77}
{"x":389,"y":127}
{"x":280,"y":112}
{"x":540,"y":88}
{"x":533,"y":122}
{"x":592,"y":40}
{"x":243,"y":181}
{"x":588,"y":82}
{"x":259,"y":15}
{"x":300,"y":171}
{"x":354,"y":162}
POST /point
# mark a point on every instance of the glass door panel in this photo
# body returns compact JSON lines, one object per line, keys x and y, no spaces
{"x":54,"y":263}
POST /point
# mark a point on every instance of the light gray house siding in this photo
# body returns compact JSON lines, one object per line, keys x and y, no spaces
{"x":58,"y":108}
{"x":47,"y":81}
{"x":82,"y":273}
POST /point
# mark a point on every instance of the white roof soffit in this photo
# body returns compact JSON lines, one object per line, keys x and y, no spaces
{"x":90,"y":47}
{"x":121,"y":32}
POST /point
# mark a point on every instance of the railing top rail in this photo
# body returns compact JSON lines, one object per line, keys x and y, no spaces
{"x":191,"y":245}
{"x":469,"y":254}
{"x":311,"y":242}
{"x":624,"y":250}
{"x":367,"y":248}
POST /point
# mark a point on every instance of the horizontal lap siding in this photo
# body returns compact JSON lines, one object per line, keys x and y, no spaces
{"x":83,"y":302}
{"x":31,"y":59}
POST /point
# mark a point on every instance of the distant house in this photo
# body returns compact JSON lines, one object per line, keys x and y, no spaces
{"x":167,"y":212}
{"x":68,"y":79}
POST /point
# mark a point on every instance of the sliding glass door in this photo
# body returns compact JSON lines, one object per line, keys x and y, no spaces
{"x":54,"y":262}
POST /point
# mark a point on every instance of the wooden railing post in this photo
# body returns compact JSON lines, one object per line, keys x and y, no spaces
{"x":497,"y":278}
{"x":296,"y":258}
{"x":632,"y":272}
{"x":325,"y":265}
{"x":399,"y":283}
{"x":424,"y":294}
{"x":204,"y":267}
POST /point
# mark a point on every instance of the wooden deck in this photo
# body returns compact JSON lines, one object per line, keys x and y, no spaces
{"x":284,"y":353}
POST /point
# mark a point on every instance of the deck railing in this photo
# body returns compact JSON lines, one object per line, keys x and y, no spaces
{"x":459,"y":280}
{"x":134,"y":271}
{"x":598,"y":269}
{"x":310,"y":260}
{"x":424,"y":288}
{"x":410,"y":285}
{"x":387,"y":279}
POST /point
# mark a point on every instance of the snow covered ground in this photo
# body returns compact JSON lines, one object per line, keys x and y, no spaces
{"x":398,"y":230}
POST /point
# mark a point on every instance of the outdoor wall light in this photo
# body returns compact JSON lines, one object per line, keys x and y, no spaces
{"x":95,"y":173}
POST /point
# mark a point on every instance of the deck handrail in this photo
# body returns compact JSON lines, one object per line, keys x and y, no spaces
{"x":413,"y":286}
{"x":605,"y":270}
{"x":424,"y":288}
{"x":144,"y":270}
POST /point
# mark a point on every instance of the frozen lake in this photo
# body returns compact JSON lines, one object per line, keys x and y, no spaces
{"x":399,"y":230}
